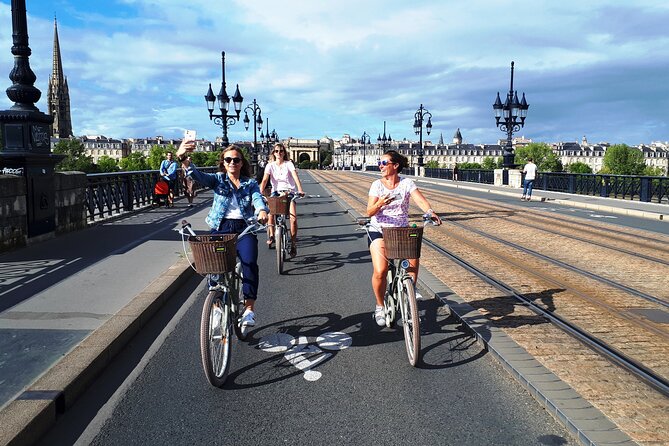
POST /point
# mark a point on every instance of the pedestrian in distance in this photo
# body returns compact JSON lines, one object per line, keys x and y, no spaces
{"x":388,"y":206}
{"x":280,"y":172}
{"x":189,"y":185}
{"x":455,"y":172}
{"x":530,"y":174}
{"x":237,"y":198}
{"x":168,"y":172}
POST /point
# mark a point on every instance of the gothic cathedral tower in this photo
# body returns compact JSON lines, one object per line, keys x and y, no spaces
{"x":58,"y":93}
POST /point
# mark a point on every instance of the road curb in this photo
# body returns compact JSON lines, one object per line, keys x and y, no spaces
{"x":587,"y":423}
{"x":27,"y":418}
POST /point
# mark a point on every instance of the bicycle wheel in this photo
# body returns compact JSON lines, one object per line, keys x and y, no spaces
{"x":410,"y":322}
{"x":389,"y":301}
{"x":280,"y":256}
{"x":216,"y":337}
{"x":238,"y":303}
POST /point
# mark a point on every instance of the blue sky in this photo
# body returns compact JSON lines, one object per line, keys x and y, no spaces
{"x":139,"y":68}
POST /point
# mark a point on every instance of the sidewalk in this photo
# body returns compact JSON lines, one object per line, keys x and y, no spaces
{"x":69,"y":304}
{"x":653,"y":211}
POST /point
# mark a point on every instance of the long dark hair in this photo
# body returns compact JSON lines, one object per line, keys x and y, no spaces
{"x":398,"y":159}
{"x":245,"y":171}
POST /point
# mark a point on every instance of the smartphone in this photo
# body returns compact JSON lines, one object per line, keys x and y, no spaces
{"x":189,"y":135}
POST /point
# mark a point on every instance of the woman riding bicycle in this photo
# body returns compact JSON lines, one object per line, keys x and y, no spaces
{"x":236,"y":195}
{"x":388,"y":206}
{"x":280,"y":171}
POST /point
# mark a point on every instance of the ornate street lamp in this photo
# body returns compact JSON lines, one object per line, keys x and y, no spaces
{"x":510,"y":117}
{"x":268,"y":139}
{"x":257,"y":119}
{"x":224,"y":119}
{"x":419,"y":117}
{"x":384,"y":141}
{"x":364,"y":140}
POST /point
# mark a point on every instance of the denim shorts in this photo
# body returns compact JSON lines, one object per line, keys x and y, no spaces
{"x":373,"y":235}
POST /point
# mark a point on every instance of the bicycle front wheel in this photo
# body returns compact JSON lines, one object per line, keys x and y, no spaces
{"x":239,"y":302}
{"x":410,"y":321}
{"x":216,"y":337}
{"x":280,"y":247}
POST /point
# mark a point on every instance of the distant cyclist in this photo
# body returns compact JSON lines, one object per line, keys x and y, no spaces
{"x":281,"y":173}
{"x":236,"y":199}
{"x":388,"y":206}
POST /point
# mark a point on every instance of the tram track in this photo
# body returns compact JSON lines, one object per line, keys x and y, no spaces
{"x":614,"y":309}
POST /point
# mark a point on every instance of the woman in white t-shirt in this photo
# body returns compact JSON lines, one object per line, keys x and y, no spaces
{"x":388,"y":206}
{"x":281,"y":173}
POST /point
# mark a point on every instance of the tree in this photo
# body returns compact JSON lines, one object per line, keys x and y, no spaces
{"x":620,"y":159}
{"x":133,"y":162}
{"x":469,"y":166}
{"x":489,"y":163}
{"x":651,"y":171}
{"x":107,"y":164}
{"x":75,"y":156}
{"x":432,"y":164}
{"x":542,"y":155}
{"x":578,"y":167}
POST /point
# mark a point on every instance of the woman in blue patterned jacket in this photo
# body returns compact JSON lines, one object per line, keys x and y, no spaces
{"x":237,"y":198}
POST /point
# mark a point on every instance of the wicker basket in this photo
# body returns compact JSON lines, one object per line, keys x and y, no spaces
{"x":403,"y":243}
{"x":279,"y":205}
{"x":214,"y":254}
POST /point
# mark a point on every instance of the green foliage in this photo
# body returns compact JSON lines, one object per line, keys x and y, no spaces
{"x":620,"y":159}
{"x":107,"y":164}
{"x":157,"y":154}
{"x":75,"y":156}
{"x":205,"y":159}
{"x":489,"y":163}
{"x":462,"y":166}
{"x":578,"y":167}
{"x":306,"y":164}
{"x":542,"y":154}
{"x":328,"y":160}
{"x":134,"y":161}
{"x":432,"y":164}
{"x":651,"y":171}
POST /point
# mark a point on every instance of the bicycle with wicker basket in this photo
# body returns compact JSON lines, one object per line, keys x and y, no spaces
{"x":402,"y":244}
{"x":279,"y":206}
{"x":215,"y":256}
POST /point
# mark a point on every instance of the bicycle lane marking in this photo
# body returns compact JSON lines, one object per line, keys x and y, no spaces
{"x":304,"y":355}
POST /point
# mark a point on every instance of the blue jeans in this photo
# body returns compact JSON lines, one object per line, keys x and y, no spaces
{"x":527,"y":188}
{"x":247,"y":251}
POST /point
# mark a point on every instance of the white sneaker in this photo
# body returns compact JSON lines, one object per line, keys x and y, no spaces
{"x":379,"y":316}
{"x":248,"y":320}
{"x":418,"y":295}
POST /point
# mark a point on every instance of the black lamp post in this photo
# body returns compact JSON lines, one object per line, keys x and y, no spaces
{"x":257,"y":119}
{"x":384,"y":141}
{"x":25,"y":134}
{"x":510,"y":117}
{"x":419,"y":117}
{"x":364,"y":139}
{"x":268,"y":139}
{"x":224,"y":119}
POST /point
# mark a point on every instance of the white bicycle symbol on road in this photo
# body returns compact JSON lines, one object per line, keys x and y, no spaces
{"x":303,"y":355}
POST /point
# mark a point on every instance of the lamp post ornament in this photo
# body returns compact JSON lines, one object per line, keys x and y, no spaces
{"x":419,"y":117}
{"x":224,"y":119}
{"x":257,"y":119}
{"x":510,"y":117}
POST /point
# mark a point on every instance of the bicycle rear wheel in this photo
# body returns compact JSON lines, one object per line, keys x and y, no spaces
{"x":280,"y":254}
{"x":410,"y":321}
{"x":216,"y":337}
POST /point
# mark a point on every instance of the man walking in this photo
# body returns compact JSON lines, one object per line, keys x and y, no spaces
{"x":168,"y":171}
{"x":530,"y":172}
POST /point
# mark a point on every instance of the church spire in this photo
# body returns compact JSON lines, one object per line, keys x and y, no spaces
{"x":59,"y":93}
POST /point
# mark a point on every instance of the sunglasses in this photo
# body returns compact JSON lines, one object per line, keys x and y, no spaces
{"x":385,"y":163}
{"x":231,"y":160}
{"x":280,"y":151}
